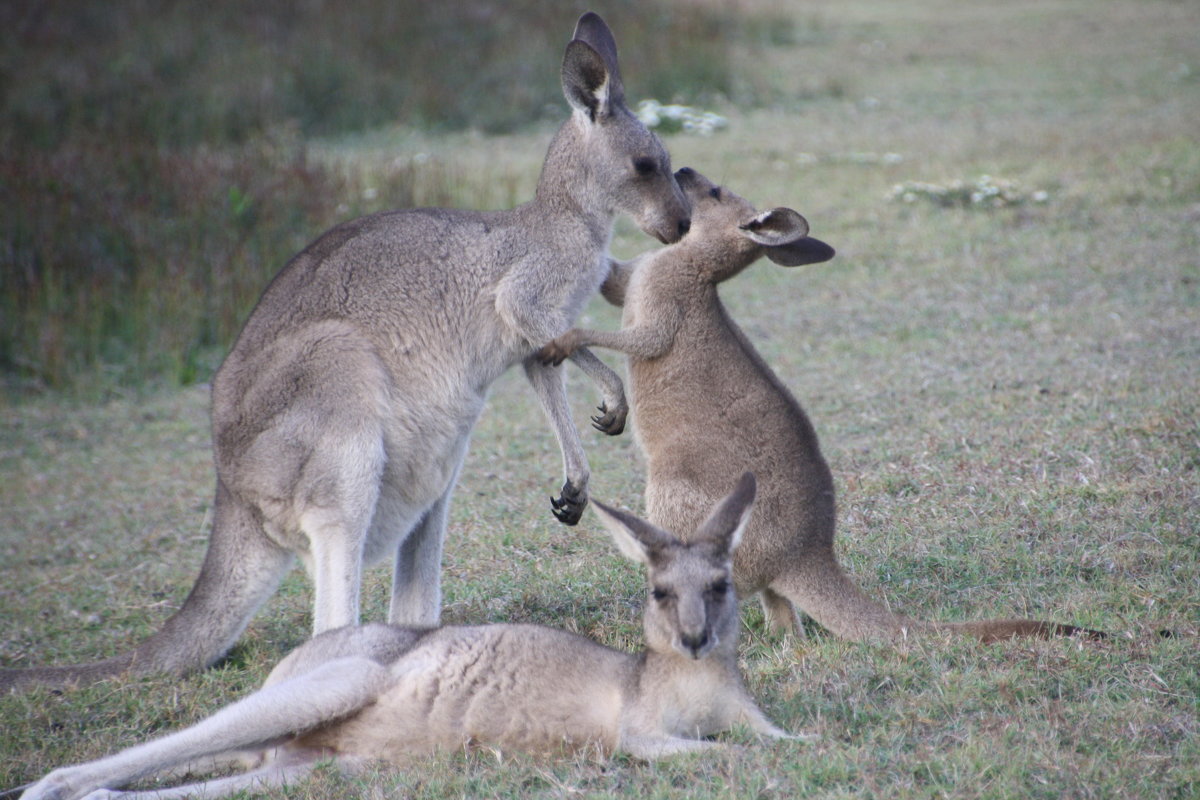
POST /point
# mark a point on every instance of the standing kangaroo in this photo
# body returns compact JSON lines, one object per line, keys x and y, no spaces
{"x":388,"y":692}
{"x":342,"y":414}
{"x":707,"y":406}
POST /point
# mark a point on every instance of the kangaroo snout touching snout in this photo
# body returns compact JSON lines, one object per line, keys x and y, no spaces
{"x":340,"y":419}
{"x":707,"y":407}
{"x":384,"y":692}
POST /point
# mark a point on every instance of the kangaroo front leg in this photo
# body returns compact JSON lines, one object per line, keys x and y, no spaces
{"x":647,"y":341}
{"x":751,"y":715}
{"x":260,"y":720}
{"x":615,"y":285}
{"x":549,"y":385}
{"x":654,"y":747}
{"x":613,"y":409}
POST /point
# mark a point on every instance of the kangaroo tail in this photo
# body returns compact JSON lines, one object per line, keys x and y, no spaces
{"x":241,"y":570}
{"x":995,"y":630}
{"x":820,"y":588}
{"x":826,"y":593}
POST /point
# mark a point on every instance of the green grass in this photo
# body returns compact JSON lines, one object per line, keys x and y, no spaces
{"x":1007,"y":397}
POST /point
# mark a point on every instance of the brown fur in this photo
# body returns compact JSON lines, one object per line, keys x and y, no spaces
{"x":707,"y":406}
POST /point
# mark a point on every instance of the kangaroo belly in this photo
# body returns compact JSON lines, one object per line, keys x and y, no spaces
{"x":702,"y":424}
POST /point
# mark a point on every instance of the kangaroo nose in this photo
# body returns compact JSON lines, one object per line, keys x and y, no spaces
{"x":685,"y":225}
{"x":694,"y":642}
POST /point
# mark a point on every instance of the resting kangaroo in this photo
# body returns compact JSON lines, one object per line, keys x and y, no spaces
{"x":387,"y":692}
{"x":707,"y":406}
{"x":342,"y":414}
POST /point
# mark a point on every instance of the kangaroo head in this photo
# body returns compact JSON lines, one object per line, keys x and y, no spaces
{"x":692,"y":607}
{"x":732,"y":234}
{"x":626,"y":167}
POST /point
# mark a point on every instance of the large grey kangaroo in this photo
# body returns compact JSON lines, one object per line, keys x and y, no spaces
{"x":342,"y":414}
{"x":390,"y":692}
{"x":706,"y":406}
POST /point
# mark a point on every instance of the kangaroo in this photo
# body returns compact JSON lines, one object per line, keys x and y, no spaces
{"x":389,"y":692}
{"x":341,"y":416}
{"x":708,"y":406}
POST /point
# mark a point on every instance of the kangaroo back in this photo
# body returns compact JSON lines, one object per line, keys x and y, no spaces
{"x":708,"y":406}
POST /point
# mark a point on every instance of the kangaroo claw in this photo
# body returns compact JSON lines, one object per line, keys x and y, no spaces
{"x":610,"y":422}
{"x":568,"y":506}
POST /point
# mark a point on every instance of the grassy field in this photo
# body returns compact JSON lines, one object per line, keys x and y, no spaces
{"x":1007,"y":394}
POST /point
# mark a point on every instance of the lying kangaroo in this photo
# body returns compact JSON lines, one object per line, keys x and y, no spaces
{"x":387,"y":692}
{"x":707,"y":406}
{"x":342,"y":414}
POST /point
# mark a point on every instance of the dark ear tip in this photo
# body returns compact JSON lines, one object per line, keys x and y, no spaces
{"x":747,"y":484}
{"x":823,"y":251}
{"x":805,"y":250}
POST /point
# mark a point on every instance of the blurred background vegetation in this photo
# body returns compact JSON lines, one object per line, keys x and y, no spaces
{"x":155,"y":168}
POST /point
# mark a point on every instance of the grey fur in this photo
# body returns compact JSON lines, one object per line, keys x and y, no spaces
{"x":341,"y":417}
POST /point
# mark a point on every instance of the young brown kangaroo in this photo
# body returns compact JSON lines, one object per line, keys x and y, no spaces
{"x":342,"y":414}
{"x":388,"y":692}
{"x":707,"y":406}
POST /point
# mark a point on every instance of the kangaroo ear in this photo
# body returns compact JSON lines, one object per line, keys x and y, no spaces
{"x":586,"y":82}
{"x":595,"y":32}
{"x":775,"y":227}
{"x":591,"y":78}
{"x":637,"y":539}
{"x":784,"y":235}
{"x":729,"y":517}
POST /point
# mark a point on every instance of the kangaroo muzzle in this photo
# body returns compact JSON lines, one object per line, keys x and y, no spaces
{"x":695,"y":638}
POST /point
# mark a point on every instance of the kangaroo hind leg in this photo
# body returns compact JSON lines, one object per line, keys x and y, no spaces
{"x":417,"y":573}
{"x":299,"y":435}
{"x":338,"y":493}
{"x":781,"y":616}
{"x":263,"y":720}
{"x":274,"y":775}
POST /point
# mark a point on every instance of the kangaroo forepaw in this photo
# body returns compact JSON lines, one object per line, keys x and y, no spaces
{"x":553,"y":353}
{"x":568,"y":506}
{"x":610,"y":422}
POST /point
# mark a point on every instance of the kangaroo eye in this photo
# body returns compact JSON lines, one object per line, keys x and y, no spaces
{"x":659,"y":594}
{"x":719,"y":588}
{"x":715,"y":192}
{"x":645,"y":166}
